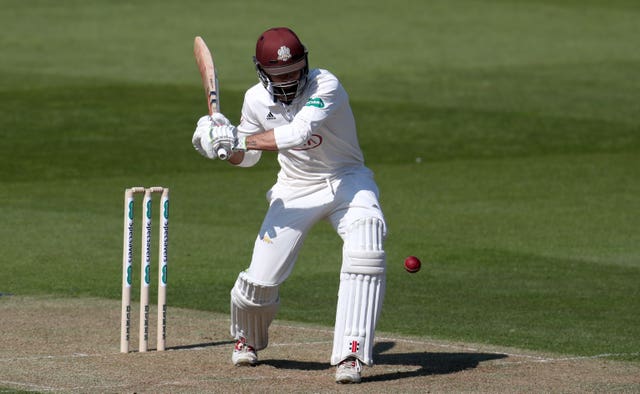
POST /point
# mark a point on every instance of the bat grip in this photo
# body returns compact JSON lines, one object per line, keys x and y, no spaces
{"x":222,"y":153}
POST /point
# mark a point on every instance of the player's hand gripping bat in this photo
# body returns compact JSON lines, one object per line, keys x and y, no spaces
{"x":209,"y":81}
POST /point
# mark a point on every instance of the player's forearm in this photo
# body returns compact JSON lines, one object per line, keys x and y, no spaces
{"x":260,"y":141}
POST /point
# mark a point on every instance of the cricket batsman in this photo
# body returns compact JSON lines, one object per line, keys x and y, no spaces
{"x":303,"y":114}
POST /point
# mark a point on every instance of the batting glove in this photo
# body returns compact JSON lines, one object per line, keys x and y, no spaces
{"x":223,"y":139}
{"x":218,"y":119}
{"x":201,"y":139}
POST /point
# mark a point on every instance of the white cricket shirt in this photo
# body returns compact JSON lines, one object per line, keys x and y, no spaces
{"x":315,"y":134}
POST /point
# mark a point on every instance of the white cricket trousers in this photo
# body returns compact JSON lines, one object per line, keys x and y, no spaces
{"x":294,"y":210}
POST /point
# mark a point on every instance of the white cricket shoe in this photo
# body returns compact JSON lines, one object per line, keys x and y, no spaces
{"x":348,"y":371}
{"x":243,"y":354}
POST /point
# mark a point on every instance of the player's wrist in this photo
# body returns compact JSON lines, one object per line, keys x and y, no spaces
{"x":241,"y":144}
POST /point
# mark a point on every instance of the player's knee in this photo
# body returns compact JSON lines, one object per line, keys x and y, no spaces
{"x":363,"y":251}
{"x":247,"y":294}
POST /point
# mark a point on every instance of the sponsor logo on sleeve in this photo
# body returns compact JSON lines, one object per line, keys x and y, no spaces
{"x":315,"y":102}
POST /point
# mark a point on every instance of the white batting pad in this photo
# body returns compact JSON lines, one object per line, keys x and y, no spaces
{"x":361,"y":292}
{"x":253,"y":307}
{"x":363,"y":252}
{"x":359,"y":303}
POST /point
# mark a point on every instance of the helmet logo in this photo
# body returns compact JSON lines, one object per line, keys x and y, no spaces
{"x":284,"y":53}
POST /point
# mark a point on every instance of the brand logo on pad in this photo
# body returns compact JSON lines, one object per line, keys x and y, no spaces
{"x":354,"y":346}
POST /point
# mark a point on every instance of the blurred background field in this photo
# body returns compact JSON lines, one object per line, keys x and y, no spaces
{"x":505,"y":138}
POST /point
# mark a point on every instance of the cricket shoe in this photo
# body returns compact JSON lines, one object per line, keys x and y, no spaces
{"x":348,"y":371}
{"x":243,"y":354}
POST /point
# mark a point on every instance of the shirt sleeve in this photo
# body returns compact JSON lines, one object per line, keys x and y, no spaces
{"x":247,"y":127}
{"x":325,"y":98}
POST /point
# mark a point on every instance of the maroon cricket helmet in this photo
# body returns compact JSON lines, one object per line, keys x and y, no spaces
{"x":279,"y":51}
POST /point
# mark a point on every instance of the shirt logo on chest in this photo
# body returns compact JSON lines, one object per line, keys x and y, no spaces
{"x":271,"y":116}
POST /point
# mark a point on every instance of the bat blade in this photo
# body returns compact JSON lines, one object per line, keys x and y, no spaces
{"x":209,"y":81}
{"x":208,"y":74}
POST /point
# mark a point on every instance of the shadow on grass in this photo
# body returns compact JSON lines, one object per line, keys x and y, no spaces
{"x":293,"y":364}
{"x":428,"y":363}
{"x":201,"y":345}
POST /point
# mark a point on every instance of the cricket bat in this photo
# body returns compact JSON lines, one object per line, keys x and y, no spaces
{"x":209,"y":80}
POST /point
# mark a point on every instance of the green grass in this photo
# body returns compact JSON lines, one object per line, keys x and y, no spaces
{"x":505,"y":137}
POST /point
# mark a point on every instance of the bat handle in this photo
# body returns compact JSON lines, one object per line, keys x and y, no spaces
{"x":222,"y":153}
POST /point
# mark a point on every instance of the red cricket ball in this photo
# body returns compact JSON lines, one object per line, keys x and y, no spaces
{"x":412,"y":264}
